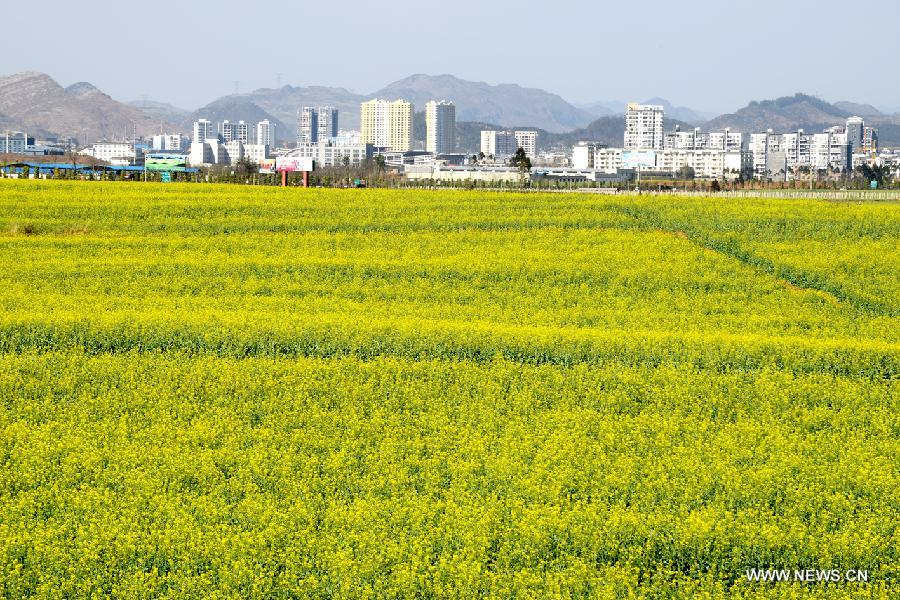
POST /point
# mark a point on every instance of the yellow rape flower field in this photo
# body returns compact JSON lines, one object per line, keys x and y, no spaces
{"x":231,"y":391}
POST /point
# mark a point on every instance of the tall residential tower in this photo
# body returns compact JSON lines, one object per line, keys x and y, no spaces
{"x":644,"y":127}
{"x":440,"y":127}
{"x":265,"y":133}
{"x":387,"y":124}
{"x":317,"y":123}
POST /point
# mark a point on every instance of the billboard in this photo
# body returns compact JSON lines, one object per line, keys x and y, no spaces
{"x":267,"y":165}
{"x":293,"y":163}
{"x":167,"y":164}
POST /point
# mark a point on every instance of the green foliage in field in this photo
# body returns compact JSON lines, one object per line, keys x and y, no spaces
{"x":213,"y":391}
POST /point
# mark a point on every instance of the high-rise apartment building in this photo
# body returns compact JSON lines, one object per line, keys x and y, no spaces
{"x":498,"y":144}
{"x":227,"y":131}
{"x":776,"y":155}
{"x":644,"y":127}
{"x":328,"y":122}
{"x":855,"y":127}
{"x":387,"y":124}
{"x":316,"y":123}
{"x":307,"y":125}
{"x":203,"y":130}
{"x":242,"y":132}
{"x":870,"y":139}
{"x":727,"y":140}
{"x":527,"y":141}
{"x":265,"y":133}
{"x":440,"y":127}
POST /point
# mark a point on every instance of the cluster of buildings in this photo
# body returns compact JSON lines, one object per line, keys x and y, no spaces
{"x":386,"y":129}
{"x":649,"y":149}
{"x":840,"y":148}
{"x":228,"y":142}
{"x":501,"y":145}
{"x":19,"y":142}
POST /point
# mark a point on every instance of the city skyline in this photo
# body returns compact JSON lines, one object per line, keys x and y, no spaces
{"x":593,"y":39}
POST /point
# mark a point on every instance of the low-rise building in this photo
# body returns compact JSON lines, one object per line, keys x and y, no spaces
{"x":706,"y":164}
{"x":413,"y":157}
{"x":608,"y":160}
{"x":584,"y":154}
{"x":234,"y":152}
{"x":116,"y":153}
{"x":331,"y":153}
{"x":256,"y":153}
{"x":208,"y":152}
{"x":447,"y":173}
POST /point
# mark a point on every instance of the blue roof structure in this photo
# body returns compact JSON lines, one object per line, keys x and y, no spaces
{"x":80,"y":167}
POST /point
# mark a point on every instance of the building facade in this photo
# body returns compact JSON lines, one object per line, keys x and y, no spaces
{"x":387,"y":124}
{"x":527,"y":141}
{"x":14,"y":143}
{"x":203,"y":130}
{"x":440,"y":127}
{"x":171,"y":141}
{"x":776,"y":156}
{"x":227,"y":131}
{"x":265,"y":133}
{"x":503,"y":144}
{"x":116,"y":153}
{"x":706,"y":163}
{"x":583,"y":155}
{"x":256,"y":153}
{"x":316,"y":123}
{"x":644,"y":127}
{"x":727,"y":140}
{"x":242,"y":132}
{"x":331,"y":153}
{"x":855,"y":126}
{"x":498,"y":144}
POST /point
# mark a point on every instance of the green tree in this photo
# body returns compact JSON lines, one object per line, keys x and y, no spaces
{"x":521,"y":161}
{"x":245,"y":168}
{"x":878,"y":173}
{"x":686,"y":172}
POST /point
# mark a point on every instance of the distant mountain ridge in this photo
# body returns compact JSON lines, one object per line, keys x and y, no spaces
{"x":862,"y":110}
{"x":239,"y":108}
{"x":802,"y":111}
{"x":680,"y":113}
{"x":506,"y":105}
{"x":35,"y":103}
{"x":161,"y":111}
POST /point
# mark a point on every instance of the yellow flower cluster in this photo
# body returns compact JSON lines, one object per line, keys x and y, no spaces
{"x":228,"y":391}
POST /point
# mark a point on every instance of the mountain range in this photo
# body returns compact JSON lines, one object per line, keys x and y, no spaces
{"x":809,"y":113}
{"x":506,"y":105}
{"x":35,"y":103}
{"x":615,"y":108}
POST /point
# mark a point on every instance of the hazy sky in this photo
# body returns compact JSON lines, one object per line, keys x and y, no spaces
{"x":710,"y":55}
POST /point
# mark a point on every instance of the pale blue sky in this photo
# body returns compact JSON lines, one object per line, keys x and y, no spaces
{"x":707,"y":54}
